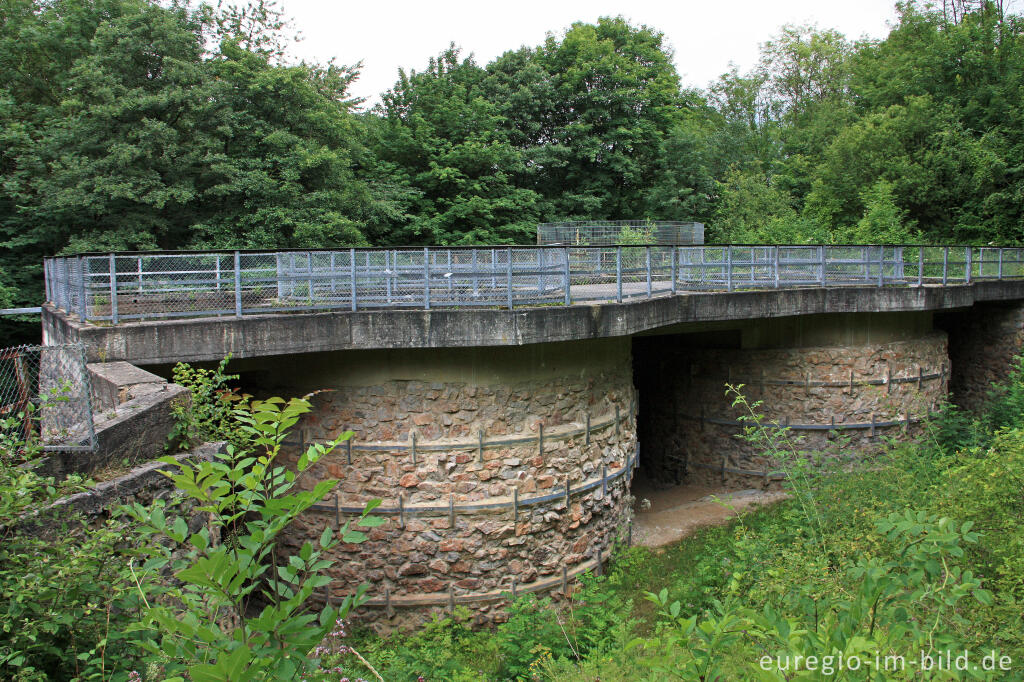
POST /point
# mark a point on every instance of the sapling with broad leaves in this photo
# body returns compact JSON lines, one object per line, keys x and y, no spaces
{"x":236,"y":608}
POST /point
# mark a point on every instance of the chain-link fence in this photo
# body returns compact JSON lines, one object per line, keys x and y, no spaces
{"x":46,"y":398}
{"x":118,"y":287}
{"x":613,"y":232}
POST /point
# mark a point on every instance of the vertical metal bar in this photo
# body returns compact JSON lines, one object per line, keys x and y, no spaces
{"x":451,"y":511}
{"x":401,"y":511}
{"x":426,"y":278}
{"x":541,"y":282}
{"x":348,"y":449}
{"x":618,"y":274}
{"x":508,"y":278}
{"x":587,"y":438}
{"x":728,"y":267}
{"x":83,"y":271}
{"x":647,"y":258}
{"x":821,"y":265}
{"x":568,"y":277}
{"x":968,"y":253}
{"x":775,"y":264}
{"x":945,"y":265}
{"x":920,"y":266}
{"x":238,"y":284}
{"x":881,"y":256}
{"x":675,"y":256}
{"x":334,"y":272}
{"x":337,"y":512}
{"x":413,"y":435}
{"x":540,"y":439}
{"x":476,"y":279}
{"x":480,"y":445}
{"x":140,"y":274}
{"x":515,"y":505}
{"x":604,"y":479}
{"x":451,"y":275}
{"x":309,"y":278}
{"x":1000,"y":272}
{"x":113,"y":289}
{"x":352,"y":276}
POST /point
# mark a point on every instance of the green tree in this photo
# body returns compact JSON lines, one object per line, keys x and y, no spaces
{"x":446,"y":145}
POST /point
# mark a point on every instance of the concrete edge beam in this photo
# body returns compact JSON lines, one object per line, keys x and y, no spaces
{"x":210,"y":339}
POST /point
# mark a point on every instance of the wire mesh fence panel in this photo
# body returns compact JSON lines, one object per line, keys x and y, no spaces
{"x":45,"y":397}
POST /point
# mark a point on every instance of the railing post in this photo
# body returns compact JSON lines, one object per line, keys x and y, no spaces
{"x":967,"y":262}
{"x":508,"y":277}
{"x":352,"y":275}
{"x":476,"y":277}
{"x":113,"y":289}
{"x":881,"y":258}
{"x":618,"y":274}
{"x":83,"y":301}
{"x":775,"y":264}
{"x":542,"y":287}
{"x":309,"y":280}
{"x":675,"y":257}
{"x":728,"y":267}
{"x":999,"y":274}
{"x":568,"y":275}
{"x":647,"y":259}
{"x":426,"y":278}
{"x":238,"y":284}
{"x":140,"y":276}
{"x":920,"y":266}
{"x":333,"y":269}
{"x":821,"y":265}
{"x":945,"y":265}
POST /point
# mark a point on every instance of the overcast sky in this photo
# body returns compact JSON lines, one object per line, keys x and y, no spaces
{"x":706,"y":35}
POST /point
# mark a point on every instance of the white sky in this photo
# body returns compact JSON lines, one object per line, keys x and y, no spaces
{"x":706,"y":35}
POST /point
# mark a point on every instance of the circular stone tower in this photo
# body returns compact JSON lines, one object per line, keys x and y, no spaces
{"x":501,"y":470}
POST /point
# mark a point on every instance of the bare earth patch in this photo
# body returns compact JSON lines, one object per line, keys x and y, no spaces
{"x":676,"y":512}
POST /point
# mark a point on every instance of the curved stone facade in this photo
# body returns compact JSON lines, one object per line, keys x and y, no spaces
{"x":836,"y":400}
{"x":471,"y":453}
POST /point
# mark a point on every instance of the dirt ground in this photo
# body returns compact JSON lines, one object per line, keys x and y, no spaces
{"x":672,"y":513}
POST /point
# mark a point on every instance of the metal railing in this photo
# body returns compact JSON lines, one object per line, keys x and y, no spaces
{"x":613,"y":232}
{"x":121,"y":286}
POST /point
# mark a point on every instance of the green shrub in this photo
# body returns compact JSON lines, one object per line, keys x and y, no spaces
{"x":237,"y":609}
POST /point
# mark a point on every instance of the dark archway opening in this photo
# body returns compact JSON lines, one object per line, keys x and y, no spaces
{"x":662,"y":367}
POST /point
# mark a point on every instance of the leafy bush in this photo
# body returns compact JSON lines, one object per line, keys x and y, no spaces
{"x":237,"y":610}
{"x":209,"y":414}
{"x":65,"y":596}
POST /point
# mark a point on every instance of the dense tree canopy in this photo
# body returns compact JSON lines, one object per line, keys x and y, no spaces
{"x":132,"y":124}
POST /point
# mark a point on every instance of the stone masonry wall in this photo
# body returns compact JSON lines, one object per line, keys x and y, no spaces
{"x":982,"y":344}
{"x":473,"y":479}
{"x":816,"y":387}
